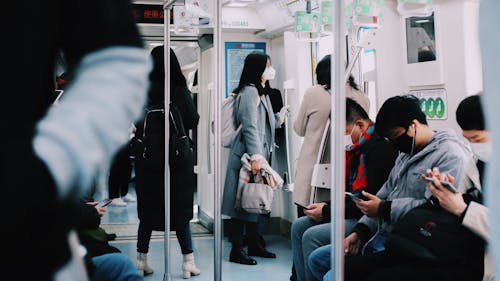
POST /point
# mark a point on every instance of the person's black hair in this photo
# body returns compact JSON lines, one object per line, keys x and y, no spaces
{"x":354,"y":111}
{"x":470,"y":115}
{"x":157,"y":75}
{"x":352,"y":83}
{"x":254,"y":66}
{"x":323,"y":73}
{"x":267,"y":85}
{"x":424,"y":56}
{"x":398,"y":111}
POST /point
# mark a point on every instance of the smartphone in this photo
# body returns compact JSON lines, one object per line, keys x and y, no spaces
{"x":352,"y":196}
{"x":446,"y":184}
{"x":305,"y":208}
{"x":104,"y":202}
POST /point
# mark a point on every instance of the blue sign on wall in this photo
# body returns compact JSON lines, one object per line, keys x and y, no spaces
{"x":236,"y":52}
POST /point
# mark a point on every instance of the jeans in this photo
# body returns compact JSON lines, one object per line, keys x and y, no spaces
{"x":116,"y":267}
{"x":319,"y":262}
{"x":308,"y":235}
{"x":376,"y":244}
{"x":183,"y":234}
{"x":328,"y":275}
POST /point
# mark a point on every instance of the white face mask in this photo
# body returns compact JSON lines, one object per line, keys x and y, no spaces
{"x":348,"y":140}
{"x":348,"y":143}
{"x":269,"y":73}
{"x":482,"y":150}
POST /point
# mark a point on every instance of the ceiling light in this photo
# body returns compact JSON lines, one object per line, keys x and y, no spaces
{"x":239,"y":3}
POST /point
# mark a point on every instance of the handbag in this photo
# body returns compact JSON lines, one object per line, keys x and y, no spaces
{"x":254,"y":198}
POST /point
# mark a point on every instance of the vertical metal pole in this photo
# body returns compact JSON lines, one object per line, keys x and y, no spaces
{"x":217,"y":150}
{"x":166,"y":235}
{"x":337,"y":143}
{"x":314,"y":60}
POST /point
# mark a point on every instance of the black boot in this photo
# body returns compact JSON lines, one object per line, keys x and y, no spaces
{"x":256,"y":249}
{"x":238,"y":255}
{"x":262,"y":241}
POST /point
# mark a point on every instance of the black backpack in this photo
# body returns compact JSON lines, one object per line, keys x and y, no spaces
{"x":433,"y":235}
{"x":180,"y":150}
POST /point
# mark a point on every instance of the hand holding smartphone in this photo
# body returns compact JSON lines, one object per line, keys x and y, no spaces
{"x":353,"y":197}
{"x":104,"y":203}
{"x":446,"y":184}
{"x":305,"y":208}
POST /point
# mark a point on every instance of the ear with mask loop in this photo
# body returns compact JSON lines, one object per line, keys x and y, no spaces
{"x":348,"y":139}
{"x":413,"y":140}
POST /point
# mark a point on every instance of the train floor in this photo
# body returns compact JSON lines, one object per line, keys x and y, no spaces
{"x":266,"y":269}
{"x":123,"y":221}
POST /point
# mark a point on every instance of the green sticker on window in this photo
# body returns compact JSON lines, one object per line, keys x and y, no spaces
{"x":431,"y":109}
{"x":301,"y":21}
{"x":326,"y":12}
{"x":305,"y":22}
{"x":439,"y":107}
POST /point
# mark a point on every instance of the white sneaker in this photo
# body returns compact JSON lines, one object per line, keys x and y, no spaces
{"x":118,"y":202}
{"x":129,"y":198}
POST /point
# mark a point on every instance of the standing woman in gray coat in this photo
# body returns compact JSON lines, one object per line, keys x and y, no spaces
{"x":253,"y":110}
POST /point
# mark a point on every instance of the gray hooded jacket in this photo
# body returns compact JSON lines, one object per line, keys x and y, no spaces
{"x":405,"y":187}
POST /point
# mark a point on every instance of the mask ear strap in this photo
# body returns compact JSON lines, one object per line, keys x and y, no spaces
{"x":413,"y":139}
{"x":353,"y":126}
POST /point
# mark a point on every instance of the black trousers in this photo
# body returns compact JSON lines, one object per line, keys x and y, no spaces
{"x":236,"y":229}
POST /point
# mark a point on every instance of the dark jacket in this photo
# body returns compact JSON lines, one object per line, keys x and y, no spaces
{"x":37,"y":235}
{"x":150,"y":179}
{"x":91,"y":235}
{"x":379,"y":160}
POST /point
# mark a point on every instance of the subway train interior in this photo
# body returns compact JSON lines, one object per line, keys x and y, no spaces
{"x":431,"y":49}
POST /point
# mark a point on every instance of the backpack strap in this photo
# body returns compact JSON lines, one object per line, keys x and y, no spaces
{"x":173,"y":122}
{"x":146,"y":119}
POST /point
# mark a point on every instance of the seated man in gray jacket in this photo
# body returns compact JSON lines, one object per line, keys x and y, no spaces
{"x":401,"y":121}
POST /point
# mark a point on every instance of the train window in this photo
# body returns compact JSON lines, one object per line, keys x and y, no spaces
{"x":420,"y":39}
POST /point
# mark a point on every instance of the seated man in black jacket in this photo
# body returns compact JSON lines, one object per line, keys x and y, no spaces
{"x":91,"y":235}
{"x":369,"y":160}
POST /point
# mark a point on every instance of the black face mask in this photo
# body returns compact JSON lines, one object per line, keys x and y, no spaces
{"x":405,"y":143}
